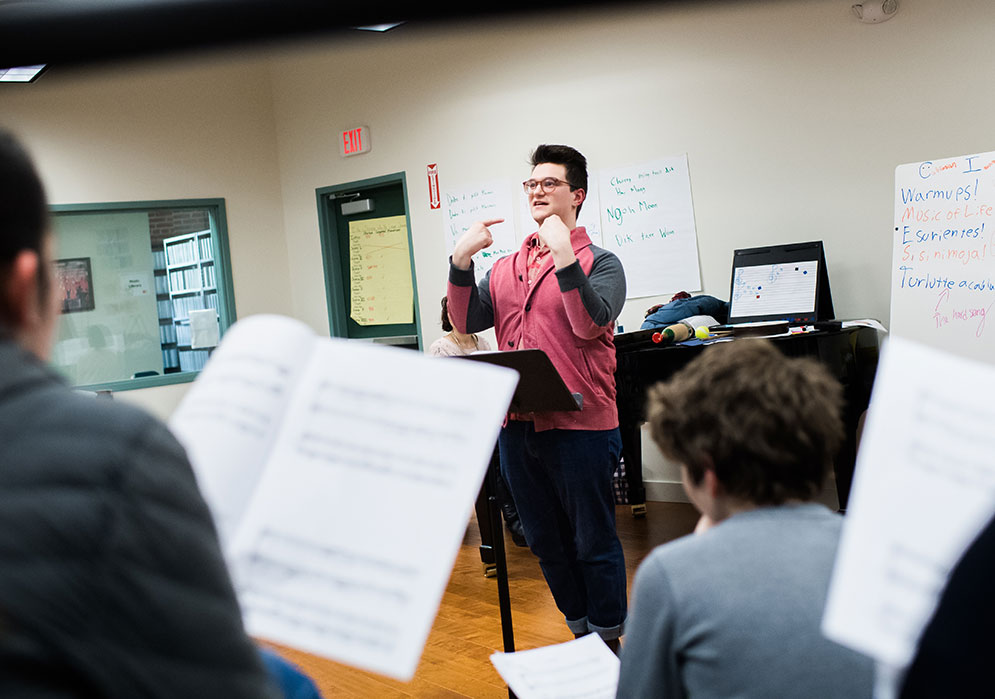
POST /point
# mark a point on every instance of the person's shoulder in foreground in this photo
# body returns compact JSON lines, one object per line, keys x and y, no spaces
{"x":112,"y":581}
{"x":119,"y":583}
{"x":735,"y":609}
{"x":955,"y":651}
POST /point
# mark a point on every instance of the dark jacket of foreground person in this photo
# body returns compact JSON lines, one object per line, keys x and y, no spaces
{"x":112,"y":582}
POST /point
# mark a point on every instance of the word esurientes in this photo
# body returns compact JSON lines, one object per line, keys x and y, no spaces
{"x":921,"y":236}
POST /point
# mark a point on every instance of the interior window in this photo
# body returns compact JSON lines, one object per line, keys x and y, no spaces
{"x":145,"y":290}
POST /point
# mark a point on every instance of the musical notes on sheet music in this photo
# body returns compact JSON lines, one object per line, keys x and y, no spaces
{"x":342,"y":475}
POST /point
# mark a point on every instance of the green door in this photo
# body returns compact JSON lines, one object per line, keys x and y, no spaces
{"x":378,"y":199}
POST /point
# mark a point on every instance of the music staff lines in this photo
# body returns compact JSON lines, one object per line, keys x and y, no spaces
{"x":395,"y":468}
{"x":259,"y":362}
{"x":275,"y":389}
{"x":262,"y":604}
{"x":284,"y":540}
{"x":338,"y":446}
{"x":263,"y":566}
{"x":355,"y":393}
{"x":256,"y":428}
{"x":400,"y":427}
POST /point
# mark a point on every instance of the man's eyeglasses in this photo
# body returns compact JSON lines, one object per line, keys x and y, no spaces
{"x":547,"y":184}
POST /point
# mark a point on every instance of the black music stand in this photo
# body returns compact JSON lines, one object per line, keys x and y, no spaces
{"x":540,"y":389}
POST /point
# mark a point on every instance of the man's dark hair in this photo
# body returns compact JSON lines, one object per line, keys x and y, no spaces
{"x":446,"y":324}
{"x":570,"y":158}
{"x":769,"y":426}
{"x":23,"y":209}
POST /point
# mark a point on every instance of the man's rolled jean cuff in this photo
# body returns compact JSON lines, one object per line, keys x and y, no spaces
{"x":577,"y":626}
{"x":609,"y":633}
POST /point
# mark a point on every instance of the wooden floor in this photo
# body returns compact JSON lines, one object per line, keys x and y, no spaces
{"x":467,"y":629}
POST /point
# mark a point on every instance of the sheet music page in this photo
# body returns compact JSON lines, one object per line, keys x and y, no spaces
{"x":924,"y":486}
{"x":228,"y":420}
{"x":580,"y":669}
{"x":348,"y":543}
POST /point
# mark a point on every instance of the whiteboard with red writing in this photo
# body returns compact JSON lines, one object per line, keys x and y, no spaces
{"x":943,"y":266}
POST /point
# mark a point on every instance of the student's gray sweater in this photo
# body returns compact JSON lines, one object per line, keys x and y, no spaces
{"x":735,"y":612}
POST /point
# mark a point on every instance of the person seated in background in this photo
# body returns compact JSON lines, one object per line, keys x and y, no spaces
{"x":735,"y":609}
{"x":454,"y":343}
{"x":112,"y":581}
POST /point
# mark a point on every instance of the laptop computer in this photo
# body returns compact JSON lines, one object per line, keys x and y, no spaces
{"x":788,"y":283}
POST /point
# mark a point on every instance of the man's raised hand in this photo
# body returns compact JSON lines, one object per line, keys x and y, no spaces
{"x":555,"y":235}
{"x":474,"y":239}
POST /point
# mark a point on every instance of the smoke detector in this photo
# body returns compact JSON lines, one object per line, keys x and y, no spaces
{"x":875,"y":11}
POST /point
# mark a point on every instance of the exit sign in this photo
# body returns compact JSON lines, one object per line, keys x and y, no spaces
{"x":355,"y":141}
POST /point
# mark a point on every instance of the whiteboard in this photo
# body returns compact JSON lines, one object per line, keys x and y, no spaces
{"x":648,"y":221}
{"x":943,"y":262}
{"x":468,"y":204}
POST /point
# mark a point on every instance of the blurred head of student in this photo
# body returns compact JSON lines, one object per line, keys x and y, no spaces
{"x":565,"y":170}
{"x":28,"y":308}
{"x":749,"y":425}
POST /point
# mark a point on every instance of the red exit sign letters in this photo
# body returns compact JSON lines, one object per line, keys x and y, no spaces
{"x":354,"y":141}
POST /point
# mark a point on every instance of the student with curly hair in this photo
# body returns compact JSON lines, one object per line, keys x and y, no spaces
{"x":735,"y":609}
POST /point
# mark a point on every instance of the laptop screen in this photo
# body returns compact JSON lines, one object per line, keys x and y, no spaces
{"x":779,"y":282}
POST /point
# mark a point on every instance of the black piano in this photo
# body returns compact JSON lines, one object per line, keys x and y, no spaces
{"x":851,"y":354}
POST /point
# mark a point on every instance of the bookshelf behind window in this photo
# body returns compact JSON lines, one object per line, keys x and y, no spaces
{"x":191,"y":284}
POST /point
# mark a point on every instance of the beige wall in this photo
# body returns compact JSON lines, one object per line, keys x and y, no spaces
{"x":167,"y":130}
{"x":793,"y":114}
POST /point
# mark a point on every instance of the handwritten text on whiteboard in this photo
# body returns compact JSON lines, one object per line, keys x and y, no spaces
{"x":647,"y":219}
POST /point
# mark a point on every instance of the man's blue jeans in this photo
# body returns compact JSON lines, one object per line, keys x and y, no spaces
{"x":561,"y":483}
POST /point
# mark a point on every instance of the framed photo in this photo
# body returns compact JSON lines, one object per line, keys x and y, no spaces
{"x":74,"y":284}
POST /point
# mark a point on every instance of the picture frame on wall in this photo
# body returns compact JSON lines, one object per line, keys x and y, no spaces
{"x":74,"y":284}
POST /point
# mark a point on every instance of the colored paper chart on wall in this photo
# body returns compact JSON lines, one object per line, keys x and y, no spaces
{"x":380,"y":276}
{"x":647,"y":219}
{"x":464,"y":206}
{"x":943,"y":261}
{"x":589,"y":217}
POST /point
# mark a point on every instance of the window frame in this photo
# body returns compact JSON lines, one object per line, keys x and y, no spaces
{"x":222,"y":270}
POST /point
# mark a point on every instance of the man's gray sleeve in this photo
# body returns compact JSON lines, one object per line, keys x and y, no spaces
{"x":480,"y":308}
{"x":602,"y":291}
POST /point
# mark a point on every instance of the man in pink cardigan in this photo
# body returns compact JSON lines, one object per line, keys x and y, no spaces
{"x":561,"y":294}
